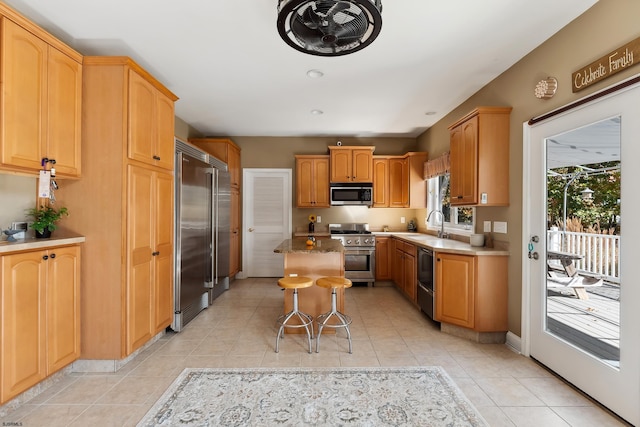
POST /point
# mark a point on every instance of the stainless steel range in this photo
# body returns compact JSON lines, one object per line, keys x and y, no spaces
{"x":359,"y":253}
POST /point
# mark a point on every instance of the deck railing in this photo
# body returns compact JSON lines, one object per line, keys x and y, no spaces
{"x":600,"y":251}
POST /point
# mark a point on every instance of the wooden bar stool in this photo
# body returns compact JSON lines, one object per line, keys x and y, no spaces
{"x":323,"y":319}
{"x":306,"y":321}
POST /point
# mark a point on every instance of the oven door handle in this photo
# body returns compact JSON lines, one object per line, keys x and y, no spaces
{"x":359,"y":251}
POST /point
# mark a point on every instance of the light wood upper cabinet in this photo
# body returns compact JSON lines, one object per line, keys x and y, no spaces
{"x":151,"y":123}
{"x":480,"y":158}
{"x":400,"y":179}
{"x":472,"y":291}
{"x":380,"y":182}
{"x":398,"y":182}
{"x":351,"y":164}
{"x":312,"y":181}
{"x":40,"y":316}
{"x":225,"y":150}
{"x":42,"y":100}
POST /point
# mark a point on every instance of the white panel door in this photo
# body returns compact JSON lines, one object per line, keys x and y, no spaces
{"x":578,"y":333}
{"x":267,"y":220}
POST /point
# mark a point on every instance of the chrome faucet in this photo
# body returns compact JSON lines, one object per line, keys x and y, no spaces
{"x":441,"y":232}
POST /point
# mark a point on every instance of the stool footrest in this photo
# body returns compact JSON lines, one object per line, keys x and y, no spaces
{"x":305,"y":318}
{"x":322,"y":318}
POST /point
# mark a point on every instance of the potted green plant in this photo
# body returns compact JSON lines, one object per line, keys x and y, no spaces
{"x":44,"y":219}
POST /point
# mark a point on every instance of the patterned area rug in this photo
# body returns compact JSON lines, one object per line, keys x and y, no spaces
{"x":421,"y":396}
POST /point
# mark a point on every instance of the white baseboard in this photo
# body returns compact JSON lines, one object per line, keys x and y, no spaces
{"x":514,"y":342}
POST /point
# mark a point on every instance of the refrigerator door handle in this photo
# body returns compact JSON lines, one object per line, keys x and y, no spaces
{"x":215,"y":226}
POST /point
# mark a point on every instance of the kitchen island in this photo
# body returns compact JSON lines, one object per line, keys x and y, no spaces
{"x":324,"y":258}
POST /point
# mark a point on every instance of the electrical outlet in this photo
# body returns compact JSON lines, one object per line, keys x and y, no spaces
{"x":500,"y":227}
{"x":487,"y":227}
{"x":318,"y":219}
{"x":401,"y":220}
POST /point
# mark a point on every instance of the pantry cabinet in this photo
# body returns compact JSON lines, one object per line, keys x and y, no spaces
{"x":351,"y":164}
{"x":126,"y":200}
{"x":472,"y":291}
{"x":479,"y":144}
{"x":41,"y":99}
{"x":312,"y":181}
{"x":405,"y":268}
{"x":227,"y":151}
{"x":40,"y":316}
{"x":399,"y":182}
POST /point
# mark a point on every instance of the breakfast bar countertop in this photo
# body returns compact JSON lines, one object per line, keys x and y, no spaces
{"x":290,"y":246}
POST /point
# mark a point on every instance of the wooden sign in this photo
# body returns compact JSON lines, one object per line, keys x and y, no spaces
{"x":610,"y":64}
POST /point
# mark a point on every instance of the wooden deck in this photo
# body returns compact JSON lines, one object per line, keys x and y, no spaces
{"x":592,"y":324}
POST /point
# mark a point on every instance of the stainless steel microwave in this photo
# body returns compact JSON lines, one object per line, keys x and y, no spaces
{"x":360,"y":194}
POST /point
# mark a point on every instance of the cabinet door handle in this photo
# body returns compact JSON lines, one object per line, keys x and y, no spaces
{"x":156,"y":157}
{"x":53,"y":256}
{"x":438,"y":259}
{"x":155,"y":253}
{"x":45,"y":257}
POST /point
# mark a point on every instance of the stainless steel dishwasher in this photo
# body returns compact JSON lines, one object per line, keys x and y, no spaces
{"x":426,"y":282}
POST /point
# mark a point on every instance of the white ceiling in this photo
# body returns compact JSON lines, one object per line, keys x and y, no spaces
{"x":235,"y":76}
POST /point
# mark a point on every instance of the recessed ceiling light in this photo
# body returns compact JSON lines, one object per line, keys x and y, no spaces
{"x":315,"y":74}
{"x":430,"y":113}
{"x":317,"y":112}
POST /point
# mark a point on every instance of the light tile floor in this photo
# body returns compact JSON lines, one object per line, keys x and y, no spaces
{"x":239,"y":331}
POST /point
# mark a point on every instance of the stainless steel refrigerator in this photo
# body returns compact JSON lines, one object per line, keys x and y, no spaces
{"x":202,"y":232}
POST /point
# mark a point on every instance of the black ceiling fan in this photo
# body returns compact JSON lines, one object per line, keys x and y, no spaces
{"x":329,"y":27}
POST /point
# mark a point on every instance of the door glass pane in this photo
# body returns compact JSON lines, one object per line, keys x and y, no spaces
{"x":583,"y":238}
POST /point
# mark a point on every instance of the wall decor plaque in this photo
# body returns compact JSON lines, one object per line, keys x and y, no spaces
{"x":620,"y":59}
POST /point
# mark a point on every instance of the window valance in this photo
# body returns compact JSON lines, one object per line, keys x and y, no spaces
{"x":438,"y":166}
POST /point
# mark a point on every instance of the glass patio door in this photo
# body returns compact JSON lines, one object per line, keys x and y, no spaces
{"x":580,"y":279}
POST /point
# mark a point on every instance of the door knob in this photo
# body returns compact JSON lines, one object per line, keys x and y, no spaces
{"x":251,"y":229}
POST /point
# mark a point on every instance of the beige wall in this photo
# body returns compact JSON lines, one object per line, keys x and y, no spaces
{"x":184,"y":131}
{"x":606,"y":26}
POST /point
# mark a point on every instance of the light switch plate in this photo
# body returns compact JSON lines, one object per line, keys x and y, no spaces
{"x":487,"y":227}
{"x":401,"y":220}
{"x":318,"y":219}
{"x":499,"y":227}
{"x":483,"y":198}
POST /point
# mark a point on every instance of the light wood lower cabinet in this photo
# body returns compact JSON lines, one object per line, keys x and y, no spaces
{"x":471,"y":291}
{"x":383,"y":258}
{"x":40,"y":316}
{"x":149,"y":255}
{"x":405,"y":268}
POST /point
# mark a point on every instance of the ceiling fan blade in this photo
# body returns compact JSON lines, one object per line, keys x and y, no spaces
{"x":308,"y":35}
{"x":338,"y":7}
{"x":310,"y":17}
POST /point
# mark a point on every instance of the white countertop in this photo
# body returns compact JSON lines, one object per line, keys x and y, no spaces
{"x":30,"y":243}
{"x":443,"y":245}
